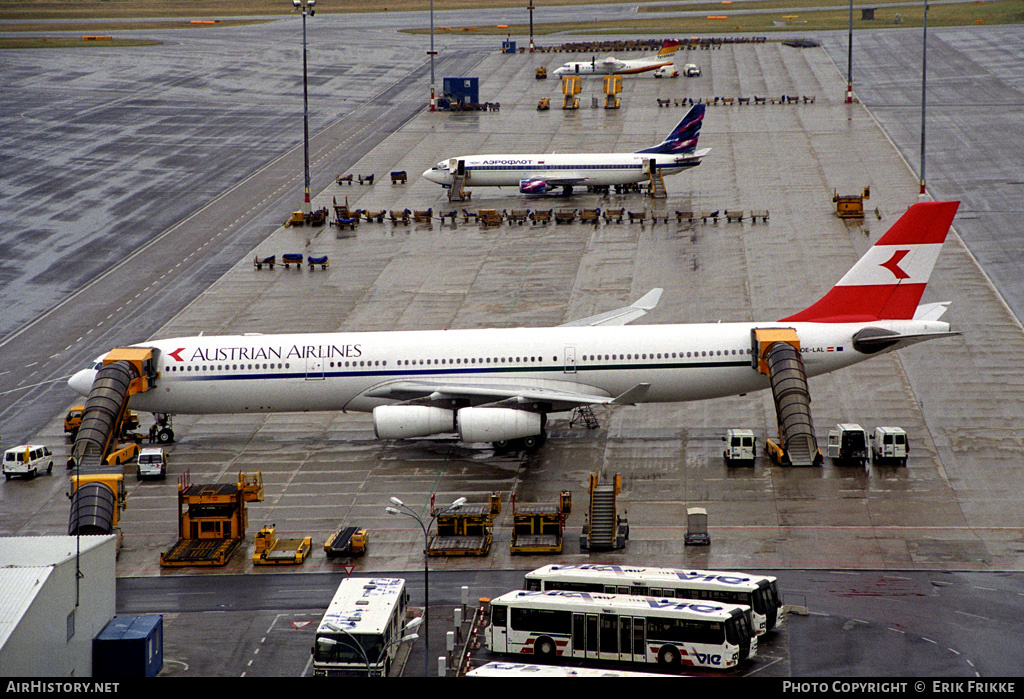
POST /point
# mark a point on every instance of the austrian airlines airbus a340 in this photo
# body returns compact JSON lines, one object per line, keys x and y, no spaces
{"x":540,"y":173}
{"x":498,"y":385}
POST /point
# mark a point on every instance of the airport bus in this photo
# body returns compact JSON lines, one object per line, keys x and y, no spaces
{"x":530,"y":670}
{"x":361,"y":630}
{"x":759,"y":592}
{"x":598,"y":626}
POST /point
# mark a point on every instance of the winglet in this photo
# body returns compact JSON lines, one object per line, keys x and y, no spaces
{"x":632,"y":396}
{"x":621,"y":316}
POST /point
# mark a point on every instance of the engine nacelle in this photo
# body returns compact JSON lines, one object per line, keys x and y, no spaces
{"x":498,"y":424}
{"x":406,"y":421}
{"x":533,"y":186}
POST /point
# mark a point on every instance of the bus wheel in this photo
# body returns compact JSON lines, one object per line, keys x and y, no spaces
{"x":544,"y":648}
{"x":668,"y":657}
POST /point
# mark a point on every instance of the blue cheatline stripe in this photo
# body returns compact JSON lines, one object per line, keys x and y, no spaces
{"x":448,"y":370}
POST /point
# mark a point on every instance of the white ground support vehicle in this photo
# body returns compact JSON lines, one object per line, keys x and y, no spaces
{"x":848,"y":443}
{"x":152,"y":463}
{"x":362,"y":628}
{"x":889,"y":444}
{"x":621,"y":628}
{"x":759,"y":592}
{"x":739,"y":447}
{"x":691,"y":70}
{"x":27,"y":460}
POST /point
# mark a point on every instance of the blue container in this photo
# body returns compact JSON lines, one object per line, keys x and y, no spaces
{"x":129,"y":646}
{"x":462,"y":90}
{"x":508,"y":47}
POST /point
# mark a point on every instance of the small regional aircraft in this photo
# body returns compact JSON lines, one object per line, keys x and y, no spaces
{"x":620,"y":66}
{"x":499,"y":385}
{"x":538,"y":174}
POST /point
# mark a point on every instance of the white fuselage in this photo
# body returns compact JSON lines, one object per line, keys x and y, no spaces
{"x":581,"y":169}
{"x":611,"y":66}
{"x":335,"y":371}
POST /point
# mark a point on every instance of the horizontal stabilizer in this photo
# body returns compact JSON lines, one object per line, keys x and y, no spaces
{"x":931,"y":311}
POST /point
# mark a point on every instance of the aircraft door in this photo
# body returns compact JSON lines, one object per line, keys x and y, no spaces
{"x":570,"y":360}
{"x":314,"y":369}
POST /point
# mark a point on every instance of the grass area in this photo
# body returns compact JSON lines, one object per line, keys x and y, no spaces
{"x":66,"y":42}
{"x":119,"y":9}
{"x":726,"y":20}
{"x":791,"y":15}
{"x":100,"y":26}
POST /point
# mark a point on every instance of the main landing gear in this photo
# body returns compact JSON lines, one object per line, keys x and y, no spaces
{"x":161,"y":431}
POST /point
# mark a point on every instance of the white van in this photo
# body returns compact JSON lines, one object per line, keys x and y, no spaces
{"x":152,"y":463}
{"x":739,"y":447}
{"x":27,"y":460}
{"x":691,"y":70}
{"x":848,"y":443}
{"x":889,"y":444}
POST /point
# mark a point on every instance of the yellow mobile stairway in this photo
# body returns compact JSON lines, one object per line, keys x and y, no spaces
{"x":656,"y":178}
{"x":605,"y":528}
{"x":777,"y":355}
{"x":96,"y":452}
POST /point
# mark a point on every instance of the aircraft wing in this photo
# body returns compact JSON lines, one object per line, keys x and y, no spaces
{"x":559,"y":395}
{"x":612,"y":62}
{"x":568,"y":180}
{"x":621,"y":316}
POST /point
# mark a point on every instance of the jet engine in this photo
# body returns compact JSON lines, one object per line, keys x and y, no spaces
{"x":498,"y":424}
{"x":533,"y":186}
{"x":405,"y":421}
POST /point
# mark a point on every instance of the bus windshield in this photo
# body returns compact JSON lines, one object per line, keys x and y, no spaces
{"x":738,"y":630}
{"x":339,"y":648}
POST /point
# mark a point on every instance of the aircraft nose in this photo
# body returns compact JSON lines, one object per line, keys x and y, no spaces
{"x":81,"y":382}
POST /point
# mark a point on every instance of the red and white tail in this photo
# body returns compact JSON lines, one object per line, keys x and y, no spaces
{"x":887,"y":283}
{"x":669,"y":47}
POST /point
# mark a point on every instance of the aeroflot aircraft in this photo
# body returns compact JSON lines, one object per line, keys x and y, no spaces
{"x":498,"y":385}
{"x":619,"y":66}
{"x":536,"y":174}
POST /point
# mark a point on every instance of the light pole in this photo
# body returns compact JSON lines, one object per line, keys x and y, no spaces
{"x":307,"y":7}
{"x":849,"y":60}
{"x":924,"y":89}
{"x":409,"y":512}
{"x":530,"y":8}
{"x":432,"y":54}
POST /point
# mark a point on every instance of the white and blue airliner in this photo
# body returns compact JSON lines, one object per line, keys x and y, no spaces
{"x":540,"y":173}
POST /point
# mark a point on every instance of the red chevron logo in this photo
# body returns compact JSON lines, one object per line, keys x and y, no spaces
{"x":177,"y":354}
{"x":893,"y":264}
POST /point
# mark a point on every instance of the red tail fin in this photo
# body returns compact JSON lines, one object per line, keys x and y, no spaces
{"x":889,"y":280}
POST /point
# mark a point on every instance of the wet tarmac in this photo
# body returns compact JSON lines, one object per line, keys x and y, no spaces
{"x":954,"y":507}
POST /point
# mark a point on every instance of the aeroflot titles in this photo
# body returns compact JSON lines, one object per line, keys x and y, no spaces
{"x":681,"y":574}
{"x":222,"y":354}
